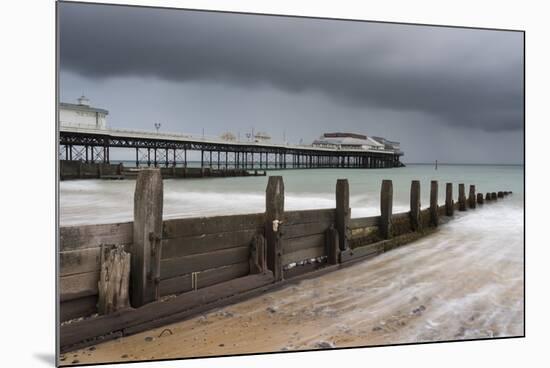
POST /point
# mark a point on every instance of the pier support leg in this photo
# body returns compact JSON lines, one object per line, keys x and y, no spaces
{"x":343,"y":213}
{"x":415,"y":205}
{"x":449,"y":203}
{"x":434,"y":208}
{"x":145,"y":250}
{"x":274,"y":212}
{"x":461,"y":198}
{"x":386,"y":205}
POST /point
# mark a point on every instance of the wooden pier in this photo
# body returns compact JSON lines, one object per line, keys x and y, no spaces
{"x":181,"y":267}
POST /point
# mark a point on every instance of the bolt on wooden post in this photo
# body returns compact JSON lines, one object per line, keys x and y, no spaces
{"x":415,"y":205}
{"x":472,"y":197}
{"x":386,"y":204}
{"x":274,"y":212}
{"x":146,"y":247}
{"x":343,"y":213}
{"x":434,"y":213}
{"x":461,"y":198}
{"x":449,"y":203}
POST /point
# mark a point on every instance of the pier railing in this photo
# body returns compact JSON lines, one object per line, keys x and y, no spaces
{"x":181,"y":267}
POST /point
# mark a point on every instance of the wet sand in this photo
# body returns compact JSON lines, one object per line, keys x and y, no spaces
{"x":449,"y":286}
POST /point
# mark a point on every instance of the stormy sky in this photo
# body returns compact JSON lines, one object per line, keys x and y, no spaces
{"x":455,"y":95}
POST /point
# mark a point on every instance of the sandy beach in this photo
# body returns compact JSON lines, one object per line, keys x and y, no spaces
{"x":431,"y":290}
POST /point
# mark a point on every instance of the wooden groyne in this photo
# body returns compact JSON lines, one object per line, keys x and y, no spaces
{"x":181,"y":267}
{"x":81,"y":170}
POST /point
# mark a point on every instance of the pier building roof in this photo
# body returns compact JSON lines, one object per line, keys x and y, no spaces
{"x":347,"y":140}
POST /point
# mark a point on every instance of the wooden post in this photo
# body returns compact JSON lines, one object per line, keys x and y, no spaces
{"x":258,"y":260}
{"x":488,"y":196}
{"x":145,"y":250}
{"x":449,"y":203}
{"x":274,"y":212}
{"x":114,"y":279}
{"x":493,"y":196}
{"x":472,"y":197}
{"x":343,"y":212}
{"x":415,"y":205}
{"x":461,"y":198}
{"x":479,"y":198}
{"x":434,"y":209}
{"x":386,"y":204}
{"x":500,"y":195}
{"x":332,"y":245}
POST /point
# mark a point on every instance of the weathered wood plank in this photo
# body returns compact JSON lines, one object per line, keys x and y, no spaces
{"x":415,"y":205}
{"x":303,"y":254}
{"x":257,"y":259}
{"x":306,"y":216}
{"x":76,"y":308}
{"x":401,"y":223}
{"x":472,"y":197}
{"x":449,"y":203}
{"x":434,"y":208}
{"x":198,"y":226}
{"x":364,"y":251}
{"x":461,"y":197}
{"x":310,"y":241}
{"x":181,"y":284}
{"x":300,"y":230}
{"x":90,"y":236}
{"x":79,"y":261}
{"x":401,"y":216}
{"x":200,"y":262}
{"x":184,"y":246}
{"x":76,"y":332}
{"x":356,"y":223}
{"x":114,"y":280}
{"x":78,"y":286}
{"x":332,"y":245}
{"x":274,"y":216}
{"x":145,"y":250}
{"x":386,"y":208}
{"x":343,"y":213}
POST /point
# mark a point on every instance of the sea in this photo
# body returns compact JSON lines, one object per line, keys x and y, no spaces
{"x":480,"y":252}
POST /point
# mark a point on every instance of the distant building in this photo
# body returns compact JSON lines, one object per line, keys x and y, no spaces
{"x":347,"y":141}
{"x":262,"y":137}
{"x":388,"y":145}
{"x":82,"y":115}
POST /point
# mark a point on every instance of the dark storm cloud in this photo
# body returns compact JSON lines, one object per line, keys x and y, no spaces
{"x":470,"y":78}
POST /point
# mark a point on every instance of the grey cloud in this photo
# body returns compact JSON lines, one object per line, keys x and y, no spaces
{"x":469,"y":78}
